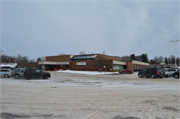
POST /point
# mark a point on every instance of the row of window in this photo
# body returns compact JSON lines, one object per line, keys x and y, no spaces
{"x":27,"y":66}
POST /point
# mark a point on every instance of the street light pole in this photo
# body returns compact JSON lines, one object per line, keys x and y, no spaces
{"x":175,"y":49}
{"x":179,"y":59}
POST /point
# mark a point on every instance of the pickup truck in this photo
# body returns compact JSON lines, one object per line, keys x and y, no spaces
{"x":29,"y":73}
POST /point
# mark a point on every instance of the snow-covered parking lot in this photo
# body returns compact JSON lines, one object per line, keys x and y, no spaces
{"x":90,"y":95}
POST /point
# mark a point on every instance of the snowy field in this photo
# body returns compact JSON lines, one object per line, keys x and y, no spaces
{"x":90,"y":95}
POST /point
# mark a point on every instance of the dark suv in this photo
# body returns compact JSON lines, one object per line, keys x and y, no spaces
{"x":29,"y":73}
{"x":152,"y":72}
{"x":36,"y":73}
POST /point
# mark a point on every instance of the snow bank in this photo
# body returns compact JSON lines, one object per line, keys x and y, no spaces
{"x":8,"y":65}
{"x":87,"y":72}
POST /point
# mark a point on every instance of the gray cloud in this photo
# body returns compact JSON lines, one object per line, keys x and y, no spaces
{"x":121,"y":28}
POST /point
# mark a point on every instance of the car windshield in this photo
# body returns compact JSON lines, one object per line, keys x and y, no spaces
{"x":17,"y":69}
{"x":13,"y":69}
{"x":161,"y":70}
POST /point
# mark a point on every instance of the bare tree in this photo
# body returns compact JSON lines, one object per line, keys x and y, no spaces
{"x":177,"y":61}
{"x":126,"y":58}
{"x":156,"y":59}
{"x":32,"y":60}
{"x":101,"y":62}
{"x":166,"y":60}
{"x":161,"y":59}
{"x":171,"y":59}
{"x":38,"y":59}
{"x":43,"y":58}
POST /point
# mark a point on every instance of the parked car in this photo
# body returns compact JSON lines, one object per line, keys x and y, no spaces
{"x":127,"y":71}
{"x":19,"y":73}
{"x":29,"y":73}
{"x":167,"y":72}
{"x":152,"y":72}
{"x":15,"y":71}
{"x":171,"y":71}
{"x":138,"y":70}
{"x":176,"y":74}
{"x":6,"y":73}
{"x":8,"y":67}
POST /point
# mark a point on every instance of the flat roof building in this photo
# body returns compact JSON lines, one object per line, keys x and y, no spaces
{"x":88,"y":62}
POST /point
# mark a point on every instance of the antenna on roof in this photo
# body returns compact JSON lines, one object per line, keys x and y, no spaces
{"x":103,"y":52}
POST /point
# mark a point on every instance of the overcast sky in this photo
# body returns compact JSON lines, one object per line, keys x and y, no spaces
{"x":36,"y":29}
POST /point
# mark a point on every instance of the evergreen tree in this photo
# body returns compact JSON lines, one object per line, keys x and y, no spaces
{"x":166,"y":60}
{"x":132,"y":56}
{"x":144,"y":58}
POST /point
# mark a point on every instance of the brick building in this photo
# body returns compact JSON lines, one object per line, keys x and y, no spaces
{"x":88,"y":62}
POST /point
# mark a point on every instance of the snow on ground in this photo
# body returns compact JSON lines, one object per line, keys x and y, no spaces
{"x":70,"y":95}
{"x":87,"y":72}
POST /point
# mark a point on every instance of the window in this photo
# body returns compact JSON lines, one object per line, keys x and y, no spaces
{"x":38,"y":71}
{"x":144,"y":70}
{"x":5,"y":71}
{"x":67,"y":66}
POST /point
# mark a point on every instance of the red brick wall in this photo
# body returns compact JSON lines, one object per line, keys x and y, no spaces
{"x":58,"y":58}
{"x":28,"y":64}
{"x":130,"y":65}
{"x":136,"y":66}
{"x":100,"y":56}
{"x":90,"y":65}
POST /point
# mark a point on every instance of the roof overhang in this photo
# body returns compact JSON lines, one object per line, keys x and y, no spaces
{"x":52,"y":63}
{"x":140,"y":63}
{"x":119,"y":62}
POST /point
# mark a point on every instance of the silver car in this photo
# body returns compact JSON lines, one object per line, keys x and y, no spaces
{"x":171,"y":71}
{"x":15,"y":71}
{"x":19,"y":73}
{"x":6,"y":73}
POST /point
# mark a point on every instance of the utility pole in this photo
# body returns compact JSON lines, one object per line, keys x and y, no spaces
{"x":175,"y":49}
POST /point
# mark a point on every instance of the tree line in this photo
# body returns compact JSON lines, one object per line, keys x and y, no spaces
{"x":156,"y":60}
{"x":19,"y":58}
{"x":167,"y":60}
{"x":142,"y":57}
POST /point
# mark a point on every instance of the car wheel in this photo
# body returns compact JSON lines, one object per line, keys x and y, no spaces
{"x":140,"y":76}
{"x":153,"y":76}
{"x":176,"y":76}
{"x":17,"y":76}
{"x":6,"y":76}
{"x":45,"y":77}
{"x":28,"y":77}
